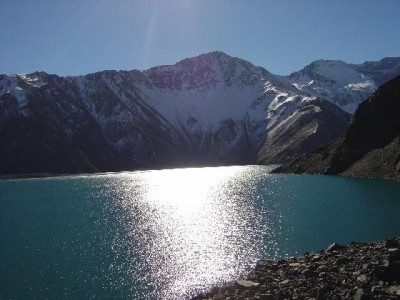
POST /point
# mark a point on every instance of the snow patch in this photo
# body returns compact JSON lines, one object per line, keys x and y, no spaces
{"x":360,"y":86}
{"x":20,"y":95}
{"x":302,"y":86}
{"x":33,"y":80}
{"x":308,"y":99}
{"x":338,"y":71}
{"x":316,"y":127}
{"x":208,"y":107}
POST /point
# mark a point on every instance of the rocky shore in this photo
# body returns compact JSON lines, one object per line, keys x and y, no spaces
{"x":357,"y":271}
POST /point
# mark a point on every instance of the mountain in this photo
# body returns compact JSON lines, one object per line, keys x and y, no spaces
{"x":344,"y":84}
{"x":370,"y":146}
{"x":212,"y":109}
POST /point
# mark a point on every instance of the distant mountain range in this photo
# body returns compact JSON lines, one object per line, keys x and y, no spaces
{"x":212,"y":109}
{"x":370,"y":147}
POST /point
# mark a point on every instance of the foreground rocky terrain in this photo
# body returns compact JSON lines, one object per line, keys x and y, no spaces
{"x":370,"y":146}
{"x":358,"y":271}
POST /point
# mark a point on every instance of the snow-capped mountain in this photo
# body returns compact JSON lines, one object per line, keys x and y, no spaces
{"x":344,"y":84}
{"x":207,"y":110}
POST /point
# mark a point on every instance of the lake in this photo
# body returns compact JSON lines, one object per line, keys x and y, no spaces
{"x":171,"y":234}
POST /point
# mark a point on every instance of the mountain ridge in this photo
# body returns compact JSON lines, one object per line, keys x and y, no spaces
{"x":212,"y":109}
{"x":370,"y":147}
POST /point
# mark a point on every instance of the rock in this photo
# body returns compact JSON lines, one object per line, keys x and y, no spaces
{"x":394,"y":254}
{"x":360,"y":294}
{"x":389,"y":273}
{"x":246,"y":284}
{"x":294,"y":265}
{"x":362,"y":278}
{"x":393,"y":243}
{"x":334,"y":247}
{"x":358,"y":271}
{"x":246,"y":294}
{"x":264,"y":262}
{"x":266,"y":297}
{"x":284,"y":282}
{"x":395,"y":289}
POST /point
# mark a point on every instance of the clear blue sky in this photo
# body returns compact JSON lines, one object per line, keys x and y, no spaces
{"x":76,"y":37}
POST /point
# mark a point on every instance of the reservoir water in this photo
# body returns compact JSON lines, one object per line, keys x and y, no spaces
{"x":171,"y":234}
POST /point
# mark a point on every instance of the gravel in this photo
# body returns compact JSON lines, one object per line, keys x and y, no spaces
{"x":357,"y":271}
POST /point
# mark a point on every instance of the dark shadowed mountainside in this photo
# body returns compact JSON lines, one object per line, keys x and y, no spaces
{"x":369,"y":148}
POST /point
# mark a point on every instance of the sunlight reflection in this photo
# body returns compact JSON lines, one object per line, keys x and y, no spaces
{"x":190,"y":217}
{"x":194,"y":225}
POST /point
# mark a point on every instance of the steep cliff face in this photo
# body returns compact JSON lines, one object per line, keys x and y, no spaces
{"x":316,"y":122}
{"x":208,"y":110}
{"x":370,"y":146}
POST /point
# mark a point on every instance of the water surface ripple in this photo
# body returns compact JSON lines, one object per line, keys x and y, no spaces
{"x":173,"y":233}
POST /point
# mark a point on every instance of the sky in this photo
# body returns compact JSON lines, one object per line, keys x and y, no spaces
{"x":78,"y":37}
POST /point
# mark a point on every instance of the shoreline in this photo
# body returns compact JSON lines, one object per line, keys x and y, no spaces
{"x":49,"y":175}
{"x":356,"y":271}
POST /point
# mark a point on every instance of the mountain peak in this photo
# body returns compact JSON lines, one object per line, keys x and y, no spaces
{"x":215,"y":54}
{"x":216,"y":58}
{"x":327,"y":62}
{"x":323,"y":67}
{"x":207,"y":70}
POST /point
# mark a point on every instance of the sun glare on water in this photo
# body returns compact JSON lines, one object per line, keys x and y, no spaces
{"x":189,"y":221}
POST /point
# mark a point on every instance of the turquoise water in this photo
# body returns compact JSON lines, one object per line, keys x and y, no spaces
{"x":172,"y":233}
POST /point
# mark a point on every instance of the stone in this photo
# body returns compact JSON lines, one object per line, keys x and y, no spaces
{"x":360,"y":295}
{"x":393,"y":243}
{"x":316,"y":257}
{"x":389,"y":273}
{"x":294,"y":265}
{"x":335,"y":247}
{"x":245,"y":294}
{"x":392,"y":250}
{"x":264,"y":262}
{"x":362,"y":278}
{"x":394,"y":254}
{"x":266,"y":297}
{"x":284,"y":282}
{"x":365,"y":272}
{"x":247,"y":284}
{"x":394,"y":289}
{"x":385,"y":262}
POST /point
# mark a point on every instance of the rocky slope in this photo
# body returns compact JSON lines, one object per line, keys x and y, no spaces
{"x":208,"y":110}
{"x":358,"y":271}
{"x":313,"y":124}
{"x":370,"y":147}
